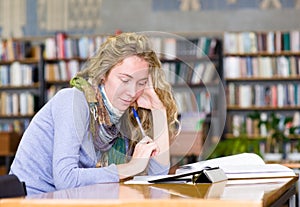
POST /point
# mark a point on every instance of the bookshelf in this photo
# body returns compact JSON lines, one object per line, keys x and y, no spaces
{"x":64,"y":55}
{"x":20,"y":83}
{"x":261,"y":72}
{"x":191,"y":71}
{"x":20,"y":91}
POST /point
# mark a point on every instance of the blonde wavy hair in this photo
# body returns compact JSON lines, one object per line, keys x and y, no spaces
{"x":113,"y":51}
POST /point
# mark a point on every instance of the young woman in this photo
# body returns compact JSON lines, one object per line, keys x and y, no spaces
{"x":88,"y":134}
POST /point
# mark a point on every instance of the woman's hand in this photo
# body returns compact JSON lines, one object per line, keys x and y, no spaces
{"x":149,"y":99}
{"x":145,"y":141}
{"x":143,"y":150}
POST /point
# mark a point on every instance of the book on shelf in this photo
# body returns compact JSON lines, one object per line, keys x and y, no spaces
{"x":271,"y":95}
{"x":64,"y":46}
{"x":17,"y":104}
{"x":156,"y":43}
{"x":50,"y":48}
{"x":169,"y":49}
{"x":261,"y":67}
{"x":191,"y":48}
{"x":189,"y":102}
{"x":61,"y":71}
{"x":192,"y":121}
{"x":60,"y":38}
{"x":295,"y":39}
{"x":255,"y":127}
{"x":258,"y":42}
{"x":15,"y":49}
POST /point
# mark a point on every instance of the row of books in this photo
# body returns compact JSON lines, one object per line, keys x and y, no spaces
{"x":242,"y":125}
{"x":17,"y":104}
{"x":61,"y":71}
{"x":293,"y":147}
{"x":274,"y":95}
{"x":191,"y":73}
{"x":15,"y":126}
{"x":192,"y":121}
{"x":62,"y":46}
{"x":171,"y":48}
{"x":255,"y":42}
{"x":191,"y":102}
{"x":18,"y":74}
{"x":267,"y":67}
{"x":14,"y":50}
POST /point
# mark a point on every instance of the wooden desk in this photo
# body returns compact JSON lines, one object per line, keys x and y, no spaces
{"x":235,"y":193}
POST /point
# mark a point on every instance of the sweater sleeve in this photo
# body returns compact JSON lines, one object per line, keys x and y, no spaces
{"x":71,"y":121}
{"x":155,"y":168}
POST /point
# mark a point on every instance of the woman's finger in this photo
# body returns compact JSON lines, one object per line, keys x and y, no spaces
{"x":146,"y":148}
{"x":145,"y":140}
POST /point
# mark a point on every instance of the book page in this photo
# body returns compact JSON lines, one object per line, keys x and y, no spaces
{"x":237,"y":160}
{"x":257,"y":171}
{"x":241,"y":166}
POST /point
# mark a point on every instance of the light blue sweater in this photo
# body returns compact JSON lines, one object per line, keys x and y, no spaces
{"x":56,"y":151}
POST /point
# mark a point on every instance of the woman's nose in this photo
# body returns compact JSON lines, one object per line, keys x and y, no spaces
{"x":131,"y":90}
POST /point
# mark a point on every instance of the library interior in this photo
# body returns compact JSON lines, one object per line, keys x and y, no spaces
{"x":234,"y":70}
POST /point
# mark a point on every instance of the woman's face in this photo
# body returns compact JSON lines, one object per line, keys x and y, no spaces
{"x":126,"y":82}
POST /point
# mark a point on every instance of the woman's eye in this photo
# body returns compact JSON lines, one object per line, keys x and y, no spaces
{"x":142,"y":83}
{"x":125,"y":80}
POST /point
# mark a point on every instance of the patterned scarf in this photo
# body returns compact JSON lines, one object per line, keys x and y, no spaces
{"x":104,"y":123}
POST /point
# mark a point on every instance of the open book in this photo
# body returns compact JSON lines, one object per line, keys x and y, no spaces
{"x":241,"y":166}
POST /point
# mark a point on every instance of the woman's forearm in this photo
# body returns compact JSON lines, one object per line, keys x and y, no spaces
{"x":129,"y":169}
{"x":161,"y":135}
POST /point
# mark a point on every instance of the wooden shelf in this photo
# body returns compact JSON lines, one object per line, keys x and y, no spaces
{"x":8,"y":147}
{"x":28,"y":116}
{"x":9,"y":143}
{"x":55,"y":60}
{"x":3,"y":170}
{"x":22,"y":61}
{"x":254,"y":137}
{"x":263,"y":108}
{"x":262,"y":53}
{"x":23,"y":87}
{"x":259,"y":79}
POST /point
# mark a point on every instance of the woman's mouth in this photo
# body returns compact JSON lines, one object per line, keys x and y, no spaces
{"x":127,"y":102}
